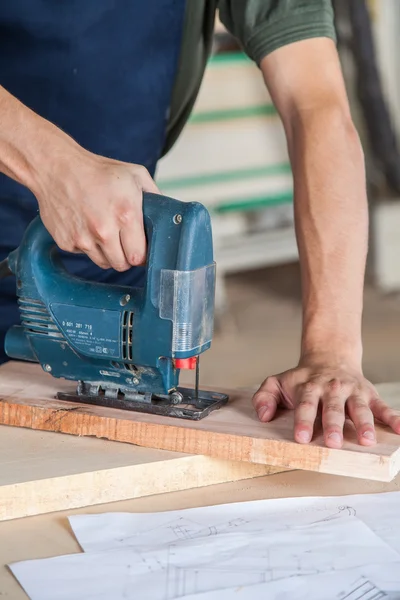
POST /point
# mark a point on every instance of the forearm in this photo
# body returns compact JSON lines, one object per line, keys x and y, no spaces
{"x":89,"y":204}
{"x":331,"y":211}
{"x":29,"y":143}
{"x":331,"y":217}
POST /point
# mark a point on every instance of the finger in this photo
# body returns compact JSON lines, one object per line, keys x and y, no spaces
{"x":83,"y":244}
{"x":105,"y":235}
{"x":266,"y":399}
{"x":129,"y":217}
{"x":362,"y":417}
{"x":307,"y":401}
{"x":385,"y":414}
{"x":333,"y":413}
{"x":115,"y":255}
{"x":110,"y":245}
{"x":97,"y":256}
{"x":133,"y":242}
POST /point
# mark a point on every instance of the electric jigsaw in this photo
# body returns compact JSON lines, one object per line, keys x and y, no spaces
{"x":124,"y":347}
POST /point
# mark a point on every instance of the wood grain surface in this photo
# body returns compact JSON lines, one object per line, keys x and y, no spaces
{"x":232,"y":433}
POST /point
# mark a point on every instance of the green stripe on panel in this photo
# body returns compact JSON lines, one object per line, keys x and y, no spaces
{"x":229,"y":57}
{"x":225,"y":176}
{"x":254,"y":203}
{"x":227,"y":114}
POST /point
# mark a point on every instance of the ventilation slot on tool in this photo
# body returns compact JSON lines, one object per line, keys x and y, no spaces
{"x":36,"y":318}
{"x":127,"y":322}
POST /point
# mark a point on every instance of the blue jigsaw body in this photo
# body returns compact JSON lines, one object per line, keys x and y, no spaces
{"x":112,"y":339}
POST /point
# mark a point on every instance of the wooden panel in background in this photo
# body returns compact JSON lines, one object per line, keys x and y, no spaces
{"x":231,"y":433}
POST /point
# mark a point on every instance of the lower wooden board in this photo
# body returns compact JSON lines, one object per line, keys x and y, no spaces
{"x":42,"y":472}
{"x":232,"y":433}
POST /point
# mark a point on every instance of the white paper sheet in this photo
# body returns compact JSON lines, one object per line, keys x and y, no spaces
{"x":350,"y":585}
{"x":381,"y":512}
{"x":175,"y":563}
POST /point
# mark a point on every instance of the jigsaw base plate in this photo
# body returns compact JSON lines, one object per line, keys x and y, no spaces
{"x":193,"y":407}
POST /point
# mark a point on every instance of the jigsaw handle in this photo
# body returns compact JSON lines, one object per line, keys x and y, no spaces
{"x":162,"y":217}
{"x":178,"y":237}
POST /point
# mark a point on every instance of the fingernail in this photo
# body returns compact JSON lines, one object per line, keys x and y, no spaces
{"x":335,"y":437}
{"x":369,"y":435}
{"x":304,"y":436}
{"x":261,"y":413}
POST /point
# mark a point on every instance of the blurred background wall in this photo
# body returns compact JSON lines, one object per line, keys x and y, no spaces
{"x":233,"y":158}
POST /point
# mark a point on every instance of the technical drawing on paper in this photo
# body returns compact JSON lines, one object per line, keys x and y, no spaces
{"x":191,"y":552}
{"x":347,"y":511}
{"x":363,"y":589}
{"x":282,"y":546}
{"x":194,"y":557}
{"x":258,"y":564}
{"x":181,"y":529}
{"x":243,"y":558}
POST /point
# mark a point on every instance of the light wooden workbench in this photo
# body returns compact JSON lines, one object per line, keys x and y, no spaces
{"x":49,"y":535}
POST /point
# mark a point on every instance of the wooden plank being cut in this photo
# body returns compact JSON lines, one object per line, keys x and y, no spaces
{"x":46,"y":472}
{"x":231,"y":433}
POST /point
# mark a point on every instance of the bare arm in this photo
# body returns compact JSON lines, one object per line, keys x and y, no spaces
{"x":331,"y":218}
{"x":90,"y":204}
{"x":331,"y":212}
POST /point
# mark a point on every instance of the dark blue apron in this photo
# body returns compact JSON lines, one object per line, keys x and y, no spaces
{"x":103,"y":71}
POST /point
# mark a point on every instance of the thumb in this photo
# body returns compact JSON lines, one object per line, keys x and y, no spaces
{"x":266,"y":399}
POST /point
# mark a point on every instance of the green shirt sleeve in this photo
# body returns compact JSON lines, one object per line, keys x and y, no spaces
{"x":262,"y":26}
